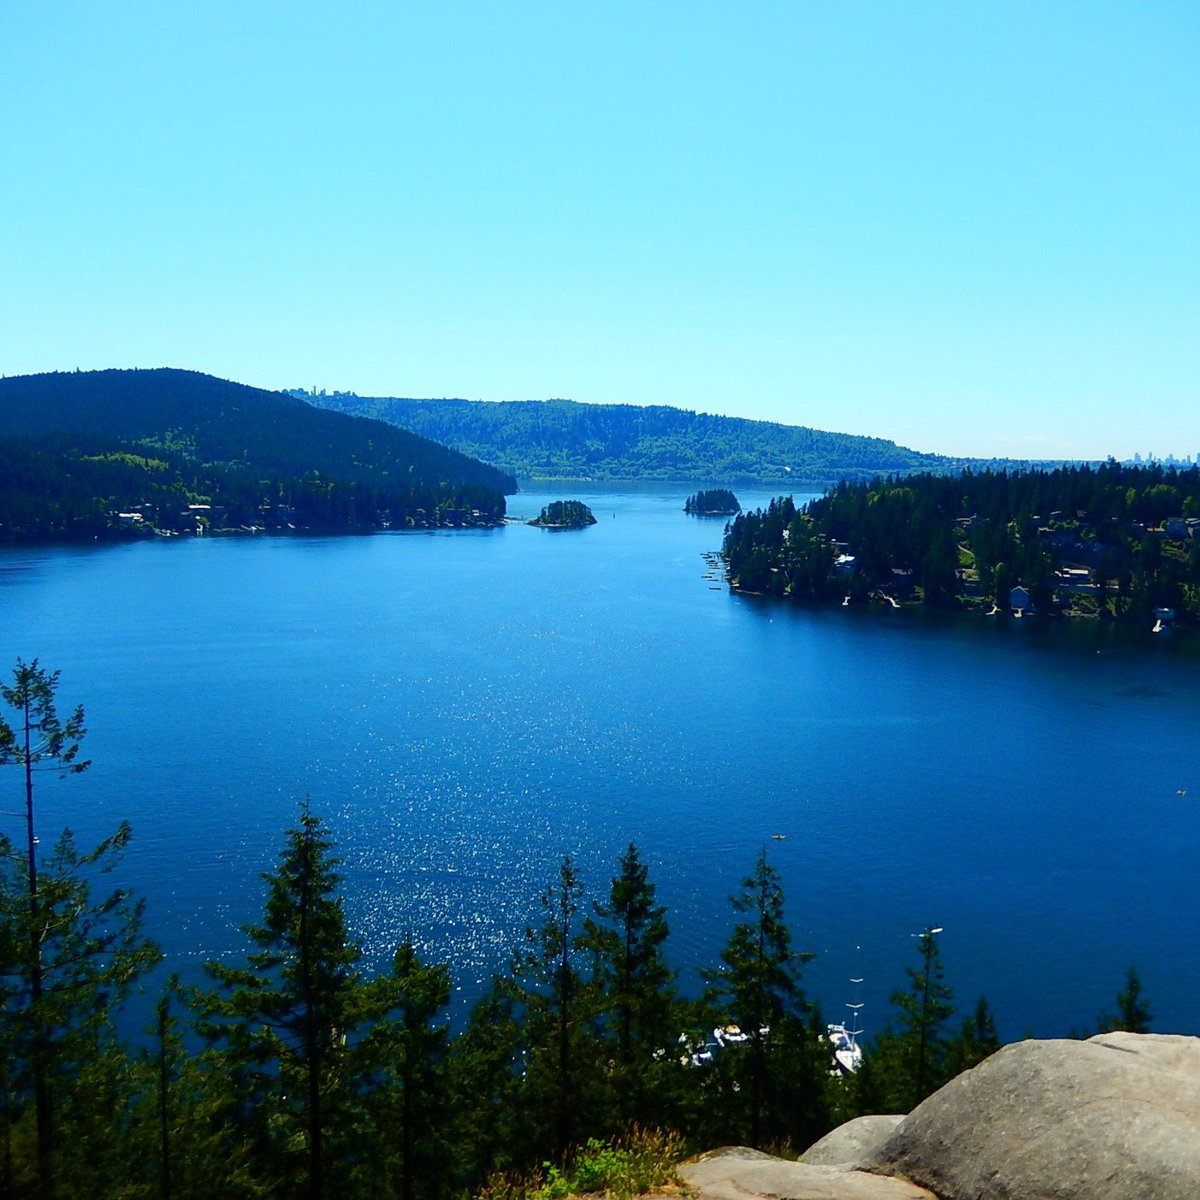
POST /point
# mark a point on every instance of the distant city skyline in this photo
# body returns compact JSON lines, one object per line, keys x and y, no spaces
{"x":971,"y":230}
{"x":1167,"y":459}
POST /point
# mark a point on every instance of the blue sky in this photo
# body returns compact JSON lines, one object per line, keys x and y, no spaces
{"x":973,"y":228}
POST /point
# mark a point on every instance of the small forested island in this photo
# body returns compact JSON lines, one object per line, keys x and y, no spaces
{"x":119,"y":455}
{"x":1112,"y":542}
{"x":715,"y":502}
{"x":565,"y":514}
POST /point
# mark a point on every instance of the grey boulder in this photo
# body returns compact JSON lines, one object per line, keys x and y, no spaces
{"x":1117,"y":1117}
{"x":848,"y":1143}
{"x":738,"y":1173}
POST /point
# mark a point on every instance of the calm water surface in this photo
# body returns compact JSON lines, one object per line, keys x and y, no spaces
{"x":465,"y":708}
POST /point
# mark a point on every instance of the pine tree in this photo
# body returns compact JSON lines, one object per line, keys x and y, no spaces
{"x":90,"y":953}
{"x":412,"y":1049}
{"x":486,"y":1086}
{"x":1133,"y":1013}
{"x":67,"y":962}
{"x":913,"y":1057}
{"x":976,"y":1040}
{"x":633,"y":986}
{"x":288,"y":1022}
{"x":555,"y":1005}
{"x":758,"y":988}
{"x":38,"y":740}
{"x":178,"y":1142}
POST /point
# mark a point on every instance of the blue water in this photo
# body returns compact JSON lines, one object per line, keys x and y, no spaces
{"x":465,"y":708}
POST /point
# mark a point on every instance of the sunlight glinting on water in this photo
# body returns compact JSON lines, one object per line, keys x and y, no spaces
{"x":464,"y":709}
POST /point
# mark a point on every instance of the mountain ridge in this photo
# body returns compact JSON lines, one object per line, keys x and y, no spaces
{"x":567,"y":439}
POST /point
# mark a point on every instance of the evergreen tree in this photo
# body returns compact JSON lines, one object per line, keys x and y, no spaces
{"x":913,"y":1056}
{"x":1133,"y":1013}
{"x":634,"y":987}
{"x":67,"y":960}
{"x":486,"y":1086}
{"x":975,"y":1041}
{"x":177,"y":1143}
{"x":288,"y":1023}
{"x":758,"y":988}
{"x":61,"y":1043}
{"x":38,"y":740}
{"x":412,"y":1050}
{"x":555,"y":1007}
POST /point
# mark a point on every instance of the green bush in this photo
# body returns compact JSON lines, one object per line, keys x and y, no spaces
{"x":642,"y":1160}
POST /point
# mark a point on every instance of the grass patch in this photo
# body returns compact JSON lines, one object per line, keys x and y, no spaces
{"x":640,"y":1161}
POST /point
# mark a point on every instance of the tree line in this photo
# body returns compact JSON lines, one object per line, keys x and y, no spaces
{"x":294,"y":1072}
{"x":1110,"y":541}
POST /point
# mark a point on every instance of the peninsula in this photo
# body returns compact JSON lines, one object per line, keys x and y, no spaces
{"x":1111,"y":542}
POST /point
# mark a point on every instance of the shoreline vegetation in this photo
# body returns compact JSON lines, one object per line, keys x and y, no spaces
{"x":1114,"y":543}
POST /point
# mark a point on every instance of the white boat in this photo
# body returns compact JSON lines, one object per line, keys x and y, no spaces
{"x":847,"y":1053}
{"x":730,"y":1035}
{"x":698,"y":1052}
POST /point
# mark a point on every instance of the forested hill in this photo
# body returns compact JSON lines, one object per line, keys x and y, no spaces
{"x":78,"y":449}
{"x":563,"y":439}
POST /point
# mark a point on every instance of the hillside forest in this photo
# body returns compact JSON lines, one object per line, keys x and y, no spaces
{"x":121,"y":454}
{"x":563,"y":439}
{"x":292,"y":1071}
{"x":1110,"y":542}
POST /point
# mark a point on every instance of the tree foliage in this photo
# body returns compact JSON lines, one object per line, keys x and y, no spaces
{"x":288,"y":1024}
{"x":177,"y":451}
{"x":68,"y":959}
{"x":1133,"y":1012}
{"x":915,"y":1048}
{"x":557,"y":1051}
{"x":636,"y":1008}
{"x":1112,"y":541}
{"x":758,"y":990}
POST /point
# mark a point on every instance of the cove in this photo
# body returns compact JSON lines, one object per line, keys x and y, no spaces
{"x":463,"y":708}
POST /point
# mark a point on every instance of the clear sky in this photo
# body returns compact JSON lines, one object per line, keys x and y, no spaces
{"x":970,"y":227}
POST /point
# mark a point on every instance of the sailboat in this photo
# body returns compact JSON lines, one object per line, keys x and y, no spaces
{"x":847,"y":1053}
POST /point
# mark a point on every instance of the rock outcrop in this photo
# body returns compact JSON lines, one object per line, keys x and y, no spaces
{"x":1117,"y":1116}
{"x":738,"y":1173}
{"x":1113,"y":1118}
{"x":849,"y":1143}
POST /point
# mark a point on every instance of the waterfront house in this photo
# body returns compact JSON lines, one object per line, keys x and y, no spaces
{"x":1019,"y":600}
